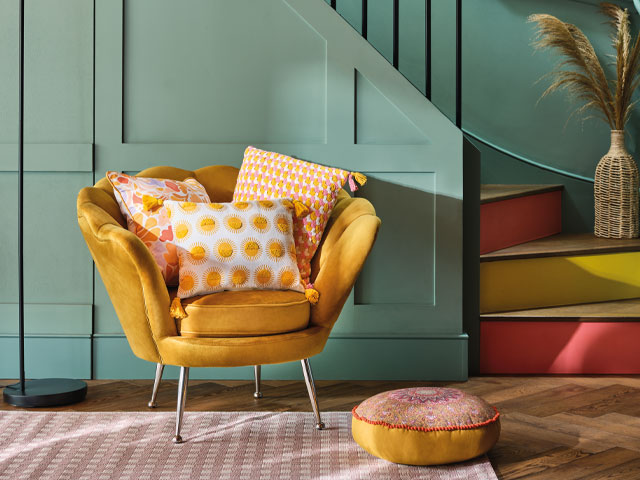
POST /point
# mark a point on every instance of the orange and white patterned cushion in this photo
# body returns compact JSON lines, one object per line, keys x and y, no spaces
{"x":151,"y":224}
{"x":265,"y":175}
{"x":234,"y":246}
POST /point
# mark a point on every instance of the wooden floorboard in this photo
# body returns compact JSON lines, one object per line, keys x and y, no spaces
{"x":495,"y":193}
{"x":616,"y":310}
{"x":563,"y":245}
{"x":558,"y":428}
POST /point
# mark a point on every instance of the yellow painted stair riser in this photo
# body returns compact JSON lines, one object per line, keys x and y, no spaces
{"x":542,"y":282}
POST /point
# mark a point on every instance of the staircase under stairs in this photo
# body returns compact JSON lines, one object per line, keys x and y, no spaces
{"x":550,"y":302}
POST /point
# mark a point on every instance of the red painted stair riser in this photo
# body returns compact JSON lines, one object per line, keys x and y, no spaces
{"x":505,"y":223}
{"x":559,"y":347}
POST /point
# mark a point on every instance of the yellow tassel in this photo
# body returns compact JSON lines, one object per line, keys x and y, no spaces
{"x":360,"y":178}
{"x":312,"y":295}
{"x":176,"y":310}
{"x":149,"y":202}
{"x":301,"y":209}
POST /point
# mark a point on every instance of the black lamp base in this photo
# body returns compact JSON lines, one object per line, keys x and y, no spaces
{"x":45,"y":392}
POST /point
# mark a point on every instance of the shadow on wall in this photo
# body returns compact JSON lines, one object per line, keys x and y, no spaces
{"x":400,"y":269}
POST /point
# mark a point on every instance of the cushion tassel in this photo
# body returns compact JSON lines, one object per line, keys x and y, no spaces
{"x":360,"y":178}
{"x":356,"y":177}
{"x":352,"y":183}
{"x":149,"y":202}
{"x":301,"y":209}
{"x":176,"y":310}
{"x":312,"y":294}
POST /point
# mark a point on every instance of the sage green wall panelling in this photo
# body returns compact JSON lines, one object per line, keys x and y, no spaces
{"x":379,"y":122}
{"x":104,"y":315}
{"x":407,"y":239}
{"x":343,"y":358}
{"x":57,"y":265}
{"x":58,"y":71}
{"x":47,"y":356}
{"x":48,"y":157}
{"x":113,"y":358}
{"x":58,"y":160}
{"x":175,"y":90}
{"x":47,"y":319}
{"x":419,"y":156}
{"x":411,"y":44}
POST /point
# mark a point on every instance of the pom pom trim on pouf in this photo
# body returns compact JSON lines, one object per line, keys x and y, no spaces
{"x":432,"y":426}
{"x":426,"y":429}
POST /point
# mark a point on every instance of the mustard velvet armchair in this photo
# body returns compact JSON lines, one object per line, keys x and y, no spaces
{"x":142,"y":300}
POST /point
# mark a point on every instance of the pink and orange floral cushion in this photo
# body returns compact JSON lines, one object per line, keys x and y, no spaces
{"x":425,"y":425}
{"x":140,"y":200}
{"x":266,"y":175}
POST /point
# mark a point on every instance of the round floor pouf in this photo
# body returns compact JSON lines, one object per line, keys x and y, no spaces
{"x":425,"y":426}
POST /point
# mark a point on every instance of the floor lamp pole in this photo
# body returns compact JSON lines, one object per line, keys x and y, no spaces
{"x":20,"y":192}
{"x":45,"y":392}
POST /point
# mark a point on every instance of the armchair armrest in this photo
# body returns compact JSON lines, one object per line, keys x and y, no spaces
{"x":132,"y":277}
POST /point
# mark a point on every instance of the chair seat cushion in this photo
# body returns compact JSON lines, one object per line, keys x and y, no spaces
{"x":425,"y":426}
{"x":244,"y":313}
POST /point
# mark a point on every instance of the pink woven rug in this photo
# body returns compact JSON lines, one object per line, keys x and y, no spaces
{"x":233,"y":446}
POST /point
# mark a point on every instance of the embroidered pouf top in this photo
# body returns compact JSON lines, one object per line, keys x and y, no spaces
{"x":425,"y":425}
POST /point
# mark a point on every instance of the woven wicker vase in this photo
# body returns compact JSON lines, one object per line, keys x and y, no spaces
{"x":616,"y":192}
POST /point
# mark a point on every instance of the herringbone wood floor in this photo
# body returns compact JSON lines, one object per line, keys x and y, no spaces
{"x":558,"y":428}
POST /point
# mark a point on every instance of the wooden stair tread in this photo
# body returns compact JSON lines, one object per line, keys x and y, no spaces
{"x":618,"y":310}
{"x":494,"y":192}
{"x":564,"y":244}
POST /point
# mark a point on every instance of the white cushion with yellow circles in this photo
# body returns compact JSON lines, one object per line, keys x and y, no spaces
{"x":234,"y":246}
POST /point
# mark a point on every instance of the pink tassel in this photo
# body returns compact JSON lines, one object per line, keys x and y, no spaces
{"x":352,"y":183}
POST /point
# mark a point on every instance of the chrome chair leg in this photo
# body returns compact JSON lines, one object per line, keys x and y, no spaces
{"x":182,"y":399}
{"x":257,"y":393}
{"x":311,"y":388}
{"x":156,"y":385}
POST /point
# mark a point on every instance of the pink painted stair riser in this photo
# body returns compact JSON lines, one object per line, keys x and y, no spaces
{"x":526,"y":347}
{"x":506,"y":223}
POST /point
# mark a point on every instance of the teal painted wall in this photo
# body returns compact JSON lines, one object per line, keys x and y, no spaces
{"x":58,"y":160}
{"x":502,"y":81}
{"x":157,"y":82}
{"x":500,"y":93}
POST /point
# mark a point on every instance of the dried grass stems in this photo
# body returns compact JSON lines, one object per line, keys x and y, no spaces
{"x":581,"y":73}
